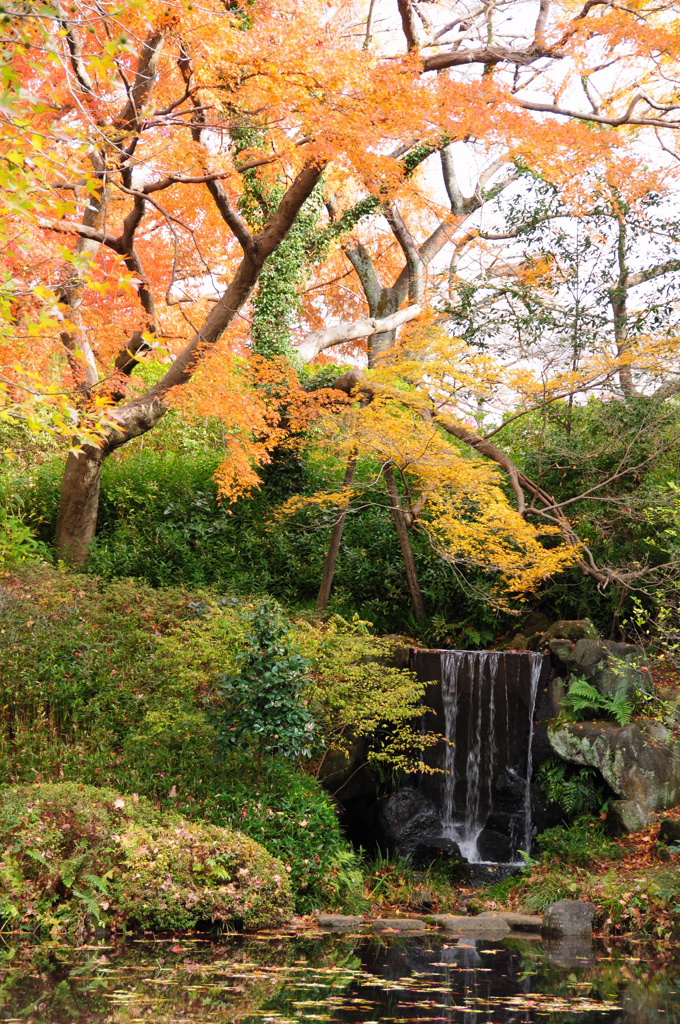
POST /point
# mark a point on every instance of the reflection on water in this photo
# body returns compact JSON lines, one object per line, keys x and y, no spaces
{"x":279,"y":979}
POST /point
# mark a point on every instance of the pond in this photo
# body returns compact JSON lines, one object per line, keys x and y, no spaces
{"x":282,"y":979}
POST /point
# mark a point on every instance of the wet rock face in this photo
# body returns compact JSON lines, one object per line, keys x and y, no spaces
{"x":641,"y":762}
{"x":409,"y":821}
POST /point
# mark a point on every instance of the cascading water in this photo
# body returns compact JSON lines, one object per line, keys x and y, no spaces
{"x":488,"y":700}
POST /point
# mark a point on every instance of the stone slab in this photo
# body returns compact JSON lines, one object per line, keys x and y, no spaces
{"x":339,"y":922}
{"x":479,"y":927}
{"x":517,"y":922}
{"x":399,"y":924}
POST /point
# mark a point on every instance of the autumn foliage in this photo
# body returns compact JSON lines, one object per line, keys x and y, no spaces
{"x":158,"y":162}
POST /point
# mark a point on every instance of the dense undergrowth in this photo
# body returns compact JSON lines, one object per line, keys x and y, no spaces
{"x":118,"y":685}
{"x":634,"y":881}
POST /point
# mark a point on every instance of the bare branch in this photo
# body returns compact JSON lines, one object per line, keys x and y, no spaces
{"x":615,"y":122}
{"x":488,"y":56}
{"x":72,"y":227}
{"x":318,"y":341}
{"x":147,"y":69}
{"x":414,"y":263}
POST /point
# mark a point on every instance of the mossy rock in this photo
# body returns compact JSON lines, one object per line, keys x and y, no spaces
{"x":77,"y":856}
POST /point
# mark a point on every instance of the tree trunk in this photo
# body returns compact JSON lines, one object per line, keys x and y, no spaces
{"x":405,"y":543}
{"x":78,"y":505}
{"x":77,"y":519}
{"x":334,"y":543}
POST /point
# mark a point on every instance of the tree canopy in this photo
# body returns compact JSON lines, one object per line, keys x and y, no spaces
{"x":240,"y":187}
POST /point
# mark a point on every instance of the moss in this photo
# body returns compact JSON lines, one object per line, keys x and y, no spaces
{"x":77,"y":856}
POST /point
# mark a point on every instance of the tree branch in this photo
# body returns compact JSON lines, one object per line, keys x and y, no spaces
{"x":318,"y":341}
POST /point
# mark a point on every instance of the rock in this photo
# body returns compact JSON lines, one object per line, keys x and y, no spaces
{"x":442,"y":920}
{"x":399,"y":924}
{"x":409,"y":820}
{"x":487,"y":874}
{"x":495,"y":846}
{"x":436,"y":849}
{"x":610,"y":667}
{"x":626,"y":816}
{"x":517,"y":922}
{"x":569,"y":917}
{"x":339,"y":922}
{"x":479,"y":927}
{"x":422,"y":900}
{"x":570,"y":629}
{"x":669,"y":832}
{"x":640,"y":761}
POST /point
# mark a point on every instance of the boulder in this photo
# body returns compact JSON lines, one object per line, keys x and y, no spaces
{"x":640,"y":761}
{"x":570,"y":629}
{"x":408,"y":821}
{"x":669,"y":832}
{"x":569,"y":917}
{"x":610,"y":667}
{"x":496,"y":847}
{"x":626,"y":816}
{"x":439,"y":849}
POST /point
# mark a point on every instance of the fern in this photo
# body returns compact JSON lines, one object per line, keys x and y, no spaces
{"x":574,"y":790}
{"x":582,"y":700}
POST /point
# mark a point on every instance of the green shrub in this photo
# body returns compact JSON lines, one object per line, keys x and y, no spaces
{"x":262,"y":701}
{"x":17,"y":541}
{"x":117,"y":697}
{"x":576,"y":790}
{"x":582,"y":842}
{"x":77,"y":855}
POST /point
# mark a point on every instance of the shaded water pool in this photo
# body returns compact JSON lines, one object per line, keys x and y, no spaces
{"x":275,"y":979}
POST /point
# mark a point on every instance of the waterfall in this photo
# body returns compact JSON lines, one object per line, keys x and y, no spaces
{"x":488,"y":700}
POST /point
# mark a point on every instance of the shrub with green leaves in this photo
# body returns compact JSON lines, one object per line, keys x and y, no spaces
{"x":581,"y":842}
{"x":576,"y":790}
{"x":18,"y":543}
{"x":262,"y":705}
{"x":77,"y":856}
{"x":117,"y":698}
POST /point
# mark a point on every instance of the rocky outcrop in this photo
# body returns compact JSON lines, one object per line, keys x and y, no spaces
{"x":570,"y":629}
{"x":641,"y":761}
{"x":610,"y":667}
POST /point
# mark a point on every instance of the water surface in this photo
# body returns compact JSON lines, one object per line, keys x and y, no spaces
{"x":279,"y":979}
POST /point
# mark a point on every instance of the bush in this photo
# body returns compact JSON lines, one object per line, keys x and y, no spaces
{"x":582,"y":842}
{"x":117,"y":697}
{"x":575,"y":790}
{"x":160,"y":521}
{"x":262,"y":701}
{"x":76,"y":855}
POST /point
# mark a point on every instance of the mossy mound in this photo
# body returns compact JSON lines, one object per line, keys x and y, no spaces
{"x":76,"y":856}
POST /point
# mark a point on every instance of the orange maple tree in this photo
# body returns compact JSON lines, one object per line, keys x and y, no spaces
{"x":156,"y":156}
